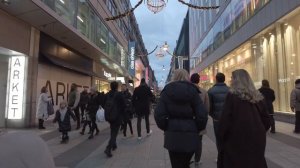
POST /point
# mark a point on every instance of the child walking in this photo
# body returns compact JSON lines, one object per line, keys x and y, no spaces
{"x":63,"y":117}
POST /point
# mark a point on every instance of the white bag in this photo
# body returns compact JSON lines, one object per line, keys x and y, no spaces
{"x":100,"y":115}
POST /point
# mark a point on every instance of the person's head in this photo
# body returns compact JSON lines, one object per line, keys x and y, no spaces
{"x":297,"y":82}
{"x":143,"y":81}
{"x":44,"y":90}
{"x":73,"y":87}
{"x":220,"y":78}
{"x":265,"y":83}
{"x":114,"y":86}
{"x":195,"y":78}
{"x":124,"y":87}
{"x":63,"y":104}
{"x":93,"y":89}
{"x":180,"y":75}
{"x":85,"y":90}
{"x":243,"y":86}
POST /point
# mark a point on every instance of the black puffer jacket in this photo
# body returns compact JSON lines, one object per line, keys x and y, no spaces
{"x":269,"y":96}
{"x":182,"y":115}
{"x":217,"y":95}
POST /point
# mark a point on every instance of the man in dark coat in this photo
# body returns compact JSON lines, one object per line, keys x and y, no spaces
{"x":84,"y":99}
{"x":141,"y":100}
{"x":128,"y":110}
{"x":217,"y":95}
{"x":115,"y":120}
{"x":269,"y":96}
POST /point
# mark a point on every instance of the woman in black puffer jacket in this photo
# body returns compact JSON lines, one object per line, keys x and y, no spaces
{"x":181,"y":114}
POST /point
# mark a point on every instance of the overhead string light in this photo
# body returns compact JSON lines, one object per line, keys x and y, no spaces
{"x":156,"y":6}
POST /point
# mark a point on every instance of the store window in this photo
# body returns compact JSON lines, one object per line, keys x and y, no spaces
{"x":273,"y":54}
{"x":102,"y":86}
{"x":83,"y":18}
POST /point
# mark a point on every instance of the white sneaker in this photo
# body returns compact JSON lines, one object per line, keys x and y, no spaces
{"x":148,"y":134}
{"x":139,"y":138}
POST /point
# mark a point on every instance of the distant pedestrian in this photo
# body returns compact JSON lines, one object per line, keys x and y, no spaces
{"x":114,"y":110}
{"x":128,"y":110}
{"x":95,"y":101}
{"x":63,"y":118}
{"x":295,"y":105}
{"x":141,"y":99}
{"x":243,"y":125}
{"x":195,"y":79}
{"x":84,"y":99}
{"x":217,"y":95}
{"x":181,"y":114}
{"x":42,"y":112}
{"x":269,"y":97}
{"x":73,"y":103}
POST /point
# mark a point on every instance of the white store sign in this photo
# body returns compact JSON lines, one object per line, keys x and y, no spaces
{"x":16,"y":87}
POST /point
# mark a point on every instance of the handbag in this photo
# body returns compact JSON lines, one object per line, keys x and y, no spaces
{"x":100,"y":117}
{"x":50,"y":108}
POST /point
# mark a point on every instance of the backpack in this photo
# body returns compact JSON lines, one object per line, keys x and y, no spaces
{"x":110,"y":108}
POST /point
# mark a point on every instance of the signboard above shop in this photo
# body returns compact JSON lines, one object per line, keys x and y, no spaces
{"x":131,"y":58}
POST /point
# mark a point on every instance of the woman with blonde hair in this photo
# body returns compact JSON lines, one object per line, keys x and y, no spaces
{"x":243,"y":125}
{"x":181,"y":114}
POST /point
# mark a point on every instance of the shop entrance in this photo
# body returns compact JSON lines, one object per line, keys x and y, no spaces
{"x":3,"y":86}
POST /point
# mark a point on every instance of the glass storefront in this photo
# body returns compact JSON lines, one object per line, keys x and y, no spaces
{"x":236,"y":14}
{"x":273,"y":54}
{"x":102,"y":86}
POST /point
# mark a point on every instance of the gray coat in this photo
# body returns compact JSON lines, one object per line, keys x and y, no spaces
{"x":295,"y":98}
{"x":217,"y":95}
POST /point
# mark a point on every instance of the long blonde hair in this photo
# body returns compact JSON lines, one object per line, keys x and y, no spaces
{"x":180,"y":75}
{"x":243,"y":86}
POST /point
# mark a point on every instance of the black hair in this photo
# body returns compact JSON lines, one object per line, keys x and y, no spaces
{"x":220,"y":77}
{"x":297,"y":81}
{"x":195,"y":78}
{"x":265,"y":83}
{"x":114,"y":85}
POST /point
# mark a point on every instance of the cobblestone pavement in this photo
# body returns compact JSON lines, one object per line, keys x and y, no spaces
{"x":283,"y":149}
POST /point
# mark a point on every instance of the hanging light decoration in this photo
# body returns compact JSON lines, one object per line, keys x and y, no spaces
{"x":156,"y":6}
{"x":160,"y":53}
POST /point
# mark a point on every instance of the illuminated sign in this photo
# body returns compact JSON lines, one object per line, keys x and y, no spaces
{"x":16,"y":87}
{"x":131,"y":59}
{"x":106,"y":74}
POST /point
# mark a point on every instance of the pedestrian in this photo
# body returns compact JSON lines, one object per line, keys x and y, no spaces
{"x":128,"y":110}
{"x":141,"y":100}
{"x":86,"y":122}
{"x":42,"y":112}
{"x":73,"y":102}
{"x":63,"y":118}
{"x":195,"y":79}
{"x":269,"y":97}
{"x":243,"y":125}
{"x":181,"y":114}
{"x":217,"y":95}
{"x":84,"y":99}
{"x":114,"y":110}
{"x":295,"y":105}
{"x":24,"y":149}
{"x":94,"y":104}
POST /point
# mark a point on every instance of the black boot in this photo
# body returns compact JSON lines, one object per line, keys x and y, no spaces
{"x":41,"y":124}
{"x":108,"y":152}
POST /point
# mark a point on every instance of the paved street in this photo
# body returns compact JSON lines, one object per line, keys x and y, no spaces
{"x":283,"y":149}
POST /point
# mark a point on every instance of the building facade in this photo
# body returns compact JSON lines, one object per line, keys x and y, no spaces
{"x":261,"y":36}
{"x":55,"y":43}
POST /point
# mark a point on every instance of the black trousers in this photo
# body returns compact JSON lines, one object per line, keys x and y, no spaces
{"x":77,"y":115}
{"x":217,"y":135}
{"x":198,"y":153}
{"x":82,"y":109}
{"x":114,"y":129}
{"x":297,"y":123}
{"x":94,"y":124}
{"x":41,"y":123}
{"x":139,"y":122}
{"x":180,"y":160}
{"x":125,"y":126}
{"x":65,"y":136}
{"x":272,"y":122}
{"x":89,"y":123}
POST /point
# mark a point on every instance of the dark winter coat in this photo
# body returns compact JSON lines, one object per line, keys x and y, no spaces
{"x":64,"y":125}
{"x":141,"y":99}
{"x":95,"y":100}
{"x":119,"y":102}
{"x":84,"y":98}
{"x":217,"y":95}
{"x":269,"y":96}
{"x":181,"y":114}
{"x":243,"y":127}
{"x":128,"y":105}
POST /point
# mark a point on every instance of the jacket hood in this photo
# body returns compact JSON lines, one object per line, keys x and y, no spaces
{"x":181,"y":91}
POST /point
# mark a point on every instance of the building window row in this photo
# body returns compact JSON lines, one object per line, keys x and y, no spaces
{"x":236,"y":14}
{"x":82,"y":16}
